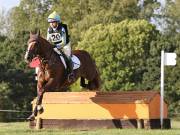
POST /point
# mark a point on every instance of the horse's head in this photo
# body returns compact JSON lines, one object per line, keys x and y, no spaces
{"x":33,"y":48}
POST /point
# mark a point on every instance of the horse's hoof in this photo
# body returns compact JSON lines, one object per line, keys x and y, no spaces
{"x":31,"y":117}
{"x":40,"y":109}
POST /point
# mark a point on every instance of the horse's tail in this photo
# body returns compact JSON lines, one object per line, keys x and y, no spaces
{"x":95,"y":83}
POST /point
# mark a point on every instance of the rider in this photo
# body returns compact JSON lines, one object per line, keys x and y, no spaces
{"x":57,"y":34}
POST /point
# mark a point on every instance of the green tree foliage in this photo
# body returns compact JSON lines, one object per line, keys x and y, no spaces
{"x":120,"y":51}
{"x":111,"y":12}
{"x":80,"y":15}
{"x":172,"y":16}
{"x":127,"y":52}
{"x":29,"y":15}
{"x":173,"y":79}
{"x":147,"y":8}
{"x":3,"y":23}
{"x":151,"y":78}
{"x":17,"y":87}
{"x":168,"y":41}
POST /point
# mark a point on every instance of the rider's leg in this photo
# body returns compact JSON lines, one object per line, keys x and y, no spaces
{"x":65,"y":59}
{"x":67,"y":52}
{"x":57,"y":49}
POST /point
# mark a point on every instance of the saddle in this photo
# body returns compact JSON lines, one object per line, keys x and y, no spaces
{"x":75,"y":60}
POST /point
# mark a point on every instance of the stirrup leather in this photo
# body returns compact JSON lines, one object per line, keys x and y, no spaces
{"x":57,"y":51}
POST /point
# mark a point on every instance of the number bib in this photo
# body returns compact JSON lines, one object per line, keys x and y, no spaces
{"x":55,"y":37}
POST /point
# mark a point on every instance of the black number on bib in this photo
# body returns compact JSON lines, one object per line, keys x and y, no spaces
{"x":56,"y":37}
{"x":53,"y":37}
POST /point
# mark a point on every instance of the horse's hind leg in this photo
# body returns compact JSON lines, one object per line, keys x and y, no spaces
{"x":95,"y":83}
{"x":82,"y":82}
{"x":92,"y":85}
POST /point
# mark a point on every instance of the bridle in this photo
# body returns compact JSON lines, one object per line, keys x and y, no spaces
{"x":33,"y":50}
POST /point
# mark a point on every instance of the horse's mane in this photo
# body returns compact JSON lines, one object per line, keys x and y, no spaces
{"x":40,"y":39}
{"x":44,"y":41}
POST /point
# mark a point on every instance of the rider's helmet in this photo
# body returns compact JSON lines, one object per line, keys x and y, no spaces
{"x":54,"y":17}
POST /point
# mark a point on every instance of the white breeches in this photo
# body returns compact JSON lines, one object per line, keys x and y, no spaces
{"x":67,"y":49}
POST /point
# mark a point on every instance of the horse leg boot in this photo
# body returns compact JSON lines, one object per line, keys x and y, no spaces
{"x":83,"y":83}
{"x":33,"y":115}
{"x":37,"y":108}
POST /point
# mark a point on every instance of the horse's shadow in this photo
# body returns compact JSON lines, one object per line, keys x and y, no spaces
{"x":118,"y":110}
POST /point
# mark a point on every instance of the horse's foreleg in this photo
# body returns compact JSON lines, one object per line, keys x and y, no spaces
{"x":42,"y":88}
{"x":38,"y":107}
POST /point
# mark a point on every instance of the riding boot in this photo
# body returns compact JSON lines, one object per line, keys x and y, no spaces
{"x":71,"y":77}
{"x":69,"y":64}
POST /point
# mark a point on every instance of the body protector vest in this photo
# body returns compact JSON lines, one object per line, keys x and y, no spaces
{"x":59,"y":36}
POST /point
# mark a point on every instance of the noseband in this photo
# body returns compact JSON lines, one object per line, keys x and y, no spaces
{"x":32,"y":50}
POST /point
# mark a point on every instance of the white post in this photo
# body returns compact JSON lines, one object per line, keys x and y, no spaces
{"x":162,"y":89}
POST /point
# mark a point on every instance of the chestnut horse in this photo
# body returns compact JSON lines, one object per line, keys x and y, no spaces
{"x":52,"y":73}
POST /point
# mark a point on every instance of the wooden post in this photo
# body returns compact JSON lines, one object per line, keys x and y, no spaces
{"x":139,"y":124}
{"x":146,"y":124}
{"x":38,"y":123}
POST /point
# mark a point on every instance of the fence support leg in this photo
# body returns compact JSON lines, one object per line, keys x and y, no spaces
{"x":38,"y":123}
{"x":139,"y":124}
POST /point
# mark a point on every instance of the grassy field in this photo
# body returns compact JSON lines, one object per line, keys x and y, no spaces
{"x":22,"y":128}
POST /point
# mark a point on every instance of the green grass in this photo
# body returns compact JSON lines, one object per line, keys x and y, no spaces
{"x":22,"y":128}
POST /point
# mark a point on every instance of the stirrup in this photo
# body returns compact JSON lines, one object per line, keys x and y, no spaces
{"x":71,"y":77}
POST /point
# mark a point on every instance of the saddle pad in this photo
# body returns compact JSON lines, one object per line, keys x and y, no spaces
{"x":76,"y":62}
{"x":35,"y":62}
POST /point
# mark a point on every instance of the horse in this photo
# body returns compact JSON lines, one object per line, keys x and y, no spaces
{"x":52,"y":73}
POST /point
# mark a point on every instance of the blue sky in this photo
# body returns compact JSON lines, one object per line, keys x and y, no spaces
{"x":7,"y":4}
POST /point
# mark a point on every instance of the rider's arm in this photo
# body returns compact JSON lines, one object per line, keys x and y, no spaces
{"x":63,"y":43}
{"x":48,"y":36}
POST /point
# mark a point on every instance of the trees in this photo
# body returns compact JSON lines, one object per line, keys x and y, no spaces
{"x":170,"y":42}
{"x":148,"y":8}
{"x":127,"y":52}
{"x":172,"y":15}
{"x":29,"y":15}
{"x":3,"y":23}
{"x":17,"y":87}
{"x":80,"y":15}
{"x":120,"y":51}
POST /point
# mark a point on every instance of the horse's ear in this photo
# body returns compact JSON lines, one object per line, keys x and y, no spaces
{"x":31,"y":33}
{"x":38,"y":32}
